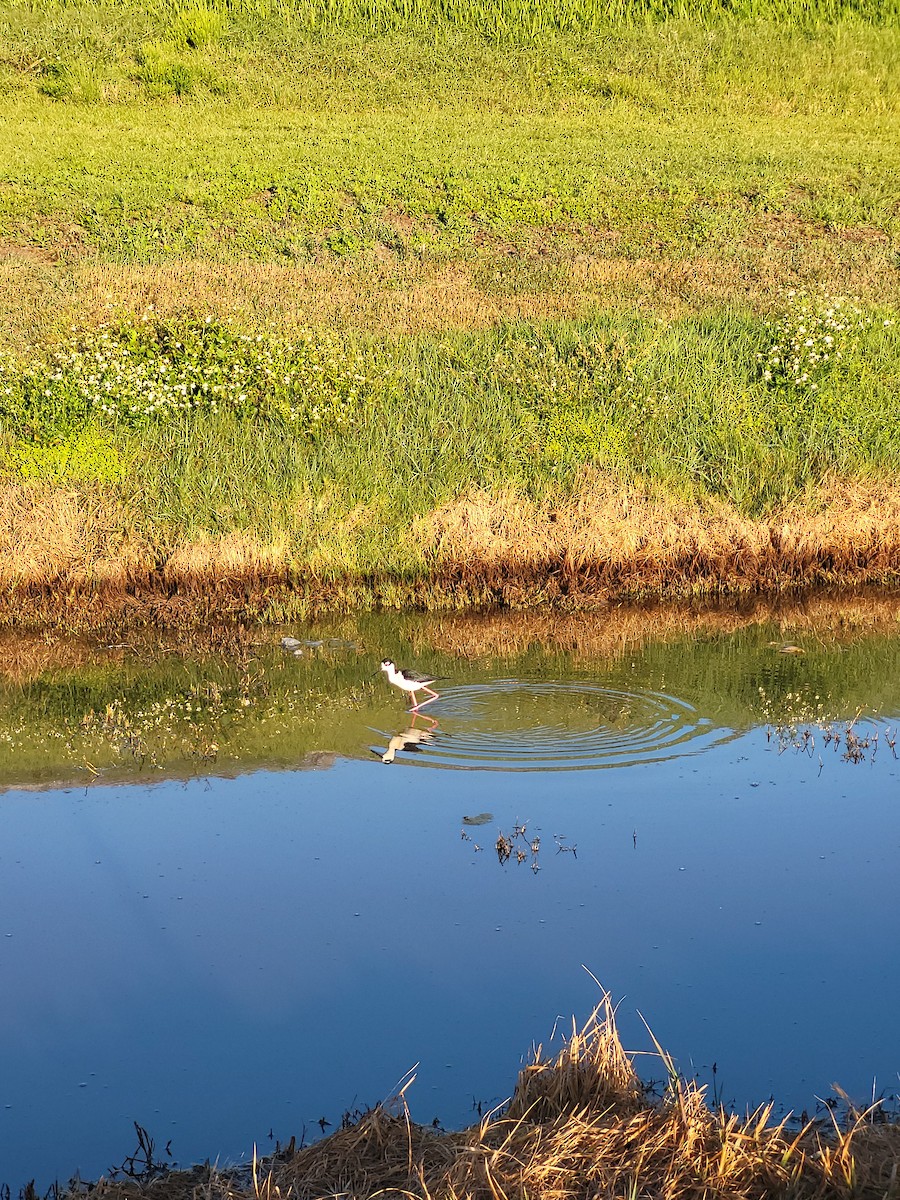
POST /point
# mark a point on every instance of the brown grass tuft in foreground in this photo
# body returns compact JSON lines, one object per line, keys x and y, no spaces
{"x":580,"y":1125}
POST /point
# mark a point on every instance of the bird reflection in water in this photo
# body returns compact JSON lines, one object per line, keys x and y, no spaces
{"x":414,"y":737}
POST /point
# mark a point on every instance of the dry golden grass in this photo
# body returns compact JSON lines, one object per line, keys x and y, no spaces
{"x":558,"y":274}
{"x":379,"y":298}
{"x":33,"y":289}
{"x":70,"y":555}
{"x":614,"y":540}
{"x":579,"y":1125}
{"x":386,"y":295}
{"x":65,"y":536}
{"x":232,"y":557}
{"x":64,"y":547}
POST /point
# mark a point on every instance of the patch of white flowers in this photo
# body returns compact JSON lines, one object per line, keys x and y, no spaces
{"x":151,"y":370}
{"x":813,"y":333}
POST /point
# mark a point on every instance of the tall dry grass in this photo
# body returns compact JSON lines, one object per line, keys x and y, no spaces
{"x":612,"y":540}
{"x":78,"y":556}
{"x":580,"y":1124}
{"x":54,"y":536}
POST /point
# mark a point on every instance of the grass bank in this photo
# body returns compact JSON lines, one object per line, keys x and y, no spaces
{"x":623,"y":455}
{"x":444,"y":306}
{"x":579,"y":1124}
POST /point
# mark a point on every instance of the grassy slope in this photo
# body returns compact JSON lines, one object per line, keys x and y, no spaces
{"x":656,"y":186}
{"x":657,"y":140}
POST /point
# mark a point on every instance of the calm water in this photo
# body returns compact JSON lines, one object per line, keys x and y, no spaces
{"x":223,"y":916}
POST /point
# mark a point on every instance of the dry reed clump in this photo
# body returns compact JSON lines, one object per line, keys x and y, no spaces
{"x":580,"y":1125}
{"x":70,"y":556}
{"x":53,"y":535}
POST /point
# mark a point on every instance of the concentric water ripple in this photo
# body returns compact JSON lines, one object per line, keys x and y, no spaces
{"x":516,"y":725}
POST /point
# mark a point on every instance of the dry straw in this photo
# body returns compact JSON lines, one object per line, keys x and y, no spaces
{"x":578,"y":1125}
{"x":611,"y":540}
{"x":80,"y":557}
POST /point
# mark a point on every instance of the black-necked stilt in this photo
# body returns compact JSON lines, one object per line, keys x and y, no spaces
{"x":411,"y":682}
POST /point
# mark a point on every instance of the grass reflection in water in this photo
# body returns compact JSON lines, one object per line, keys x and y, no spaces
{"x":529,"y":692}
{"x":672,"y":880}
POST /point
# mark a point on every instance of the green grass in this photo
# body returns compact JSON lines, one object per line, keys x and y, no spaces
{"x":275,"y":140}
{"x":710,"y":160}
{"x":400,"y":427}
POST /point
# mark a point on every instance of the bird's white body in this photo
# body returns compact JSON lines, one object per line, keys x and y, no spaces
{"x":410,"y":682}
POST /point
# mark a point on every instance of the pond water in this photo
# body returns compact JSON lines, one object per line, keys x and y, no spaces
{"x":224,"y":916}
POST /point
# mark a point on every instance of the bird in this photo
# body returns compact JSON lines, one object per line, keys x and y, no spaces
{"x":410,"y":682}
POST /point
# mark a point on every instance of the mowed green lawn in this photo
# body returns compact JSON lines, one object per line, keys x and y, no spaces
{"x":274,"y":143}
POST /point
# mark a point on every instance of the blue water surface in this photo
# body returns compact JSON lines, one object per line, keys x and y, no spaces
{"x":231,"y":960}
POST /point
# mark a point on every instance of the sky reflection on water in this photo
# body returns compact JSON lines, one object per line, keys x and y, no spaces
{"x":220,"y":957}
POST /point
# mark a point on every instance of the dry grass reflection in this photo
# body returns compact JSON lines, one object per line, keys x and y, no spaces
{"x":619,"y":629}
{"x":604,"y":633}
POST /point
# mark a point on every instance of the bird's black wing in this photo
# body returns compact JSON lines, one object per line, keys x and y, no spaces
{"x":415,"y":677}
